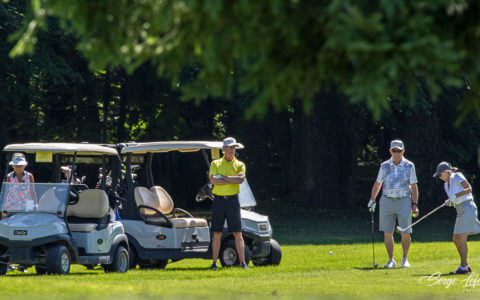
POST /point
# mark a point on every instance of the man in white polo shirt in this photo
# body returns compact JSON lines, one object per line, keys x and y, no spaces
{"x":399,"y":199}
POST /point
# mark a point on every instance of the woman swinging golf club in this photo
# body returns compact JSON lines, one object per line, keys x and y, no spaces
{"x":460,"y":196}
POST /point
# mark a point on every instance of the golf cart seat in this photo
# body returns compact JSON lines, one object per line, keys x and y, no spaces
{"x":49,"y":201}
{"x":155,"y":204}
{"x":90,"y":212}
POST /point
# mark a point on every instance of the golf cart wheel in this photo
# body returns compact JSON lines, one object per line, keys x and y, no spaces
{"x":120,"y":261}
{"x":41,"y":270}
{"x":272,"y":259}
{"x":57,"y":260}
{"x":229,"y":256}
{"x":132,"y":255}
{"x":3,"y":268}
{"x":154,"y":264}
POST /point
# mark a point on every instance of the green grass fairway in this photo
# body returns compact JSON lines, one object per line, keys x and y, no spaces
{"x":307,"y":270}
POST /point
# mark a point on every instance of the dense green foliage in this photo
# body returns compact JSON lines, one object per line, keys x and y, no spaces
{"x":281,"y":50}
{"x":244,"y":56}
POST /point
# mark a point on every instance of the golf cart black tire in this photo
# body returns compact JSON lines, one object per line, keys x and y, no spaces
{"x":272,"y":259}
{"x":3,"y":268}
{"x":118,"y":265}
{"x":154,"y":264}
{"x":229,"y":246}
{"x":54,"y":258}
{"x":132,"y":258}
{"x":40,"y":270}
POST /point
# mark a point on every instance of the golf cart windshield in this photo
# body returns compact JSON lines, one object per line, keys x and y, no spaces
{"x":34,"y":197}
{"x":245,"y":196}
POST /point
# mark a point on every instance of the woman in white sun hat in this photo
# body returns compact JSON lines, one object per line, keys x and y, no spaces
{"x":22,"y":189}
{"x":460,"y":196}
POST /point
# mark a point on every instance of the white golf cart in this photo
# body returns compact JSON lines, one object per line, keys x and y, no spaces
{"x":60,"y":223}
{"x":157,"y":233}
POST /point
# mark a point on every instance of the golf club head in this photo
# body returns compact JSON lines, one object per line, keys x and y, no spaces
{"x":400,"y":229}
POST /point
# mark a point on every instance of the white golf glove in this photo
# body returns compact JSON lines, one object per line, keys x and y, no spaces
{"x":371,"y":206}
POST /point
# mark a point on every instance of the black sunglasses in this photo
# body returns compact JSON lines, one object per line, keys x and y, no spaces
{"x":396,"y":150}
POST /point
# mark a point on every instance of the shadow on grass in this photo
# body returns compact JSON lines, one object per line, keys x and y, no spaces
{"x":352,"y":227}
{"x":369,"y":268}
{"x":441,"y":275}
{"x":168,"y":269}
{"x":33,"y":274}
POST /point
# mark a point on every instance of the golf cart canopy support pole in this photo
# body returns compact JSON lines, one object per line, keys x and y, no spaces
{"x":74,"y":167}
{"x":149,"y":174}
{"x":205,"y":156}
{"x":6,"y":167}
{"x":103,"y":180}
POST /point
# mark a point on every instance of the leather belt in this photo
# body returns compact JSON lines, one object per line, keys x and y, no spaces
{"x":225,"y":196}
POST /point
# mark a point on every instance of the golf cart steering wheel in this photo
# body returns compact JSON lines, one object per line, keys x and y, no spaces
{"x":204,"y":193}
{"x":73,"y":197}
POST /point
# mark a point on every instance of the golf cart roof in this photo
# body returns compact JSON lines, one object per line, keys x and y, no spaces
{"x":182,"y":146}
{"x":63,"y":148}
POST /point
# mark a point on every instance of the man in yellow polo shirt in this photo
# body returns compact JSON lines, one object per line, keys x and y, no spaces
{"x":226,"y":174}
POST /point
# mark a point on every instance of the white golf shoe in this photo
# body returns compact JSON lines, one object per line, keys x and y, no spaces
{"x":391,"y":264}
{"x":405,"y":263}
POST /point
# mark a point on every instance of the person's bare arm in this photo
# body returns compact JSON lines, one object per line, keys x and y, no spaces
{"x":467,"y":189}
{"x":221,"y":179}
{"x":239,"y":178}
{"x":414,"y":190}
{"x":218,"y":180}
{"x":375,"y":190}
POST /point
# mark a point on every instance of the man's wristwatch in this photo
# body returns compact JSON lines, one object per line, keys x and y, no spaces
{"x":415,"y":203}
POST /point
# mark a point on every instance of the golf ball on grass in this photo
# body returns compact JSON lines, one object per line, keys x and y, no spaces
{"x":330,"y":252}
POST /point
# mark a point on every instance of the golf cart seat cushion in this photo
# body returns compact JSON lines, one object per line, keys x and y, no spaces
{"x":159,"y":199}
{"x":165,"y":202}
{"x":188,"y":222}
{"x":144,"y":197}
{"x":91,"y":204}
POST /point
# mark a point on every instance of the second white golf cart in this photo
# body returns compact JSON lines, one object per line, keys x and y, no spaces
{"x":156,"y":232}
{"x":52,"y":225}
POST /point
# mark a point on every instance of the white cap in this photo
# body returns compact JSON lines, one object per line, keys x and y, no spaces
{"x":396,"y":144}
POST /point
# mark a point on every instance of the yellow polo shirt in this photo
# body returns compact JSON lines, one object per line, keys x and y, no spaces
{"x":222,"y":167}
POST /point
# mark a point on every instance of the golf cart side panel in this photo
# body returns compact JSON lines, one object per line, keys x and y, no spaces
{"x":97,"y":241}
{"x":157,"y":237}
{"x":143,"y":253}
{"x":107,"y":258}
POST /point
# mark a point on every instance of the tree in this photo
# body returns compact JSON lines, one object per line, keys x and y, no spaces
{"x":287,"y":49}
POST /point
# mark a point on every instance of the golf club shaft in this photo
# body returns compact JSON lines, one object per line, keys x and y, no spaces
{"x":373,"y":239}
{"x":434,"y":210}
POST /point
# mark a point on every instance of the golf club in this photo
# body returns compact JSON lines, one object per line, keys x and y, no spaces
{"x":373,"y":240}
{"x":408,"y":227}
